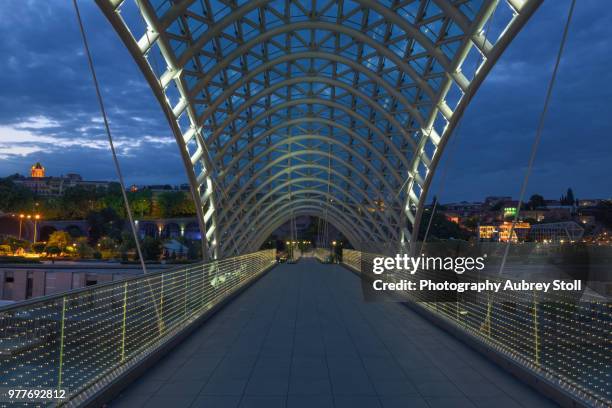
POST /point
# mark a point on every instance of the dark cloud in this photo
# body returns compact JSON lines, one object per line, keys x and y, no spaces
{"x":48,"y":107}
{"x":48,"y":110}
{"x":493,"y":142}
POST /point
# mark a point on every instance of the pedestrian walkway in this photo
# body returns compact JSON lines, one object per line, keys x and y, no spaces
{"x":303,"y":337}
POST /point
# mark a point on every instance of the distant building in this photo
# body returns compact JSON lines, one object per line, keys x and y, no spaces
{"x":557,"y":232}
{"x":501,"y":232}
{"x":37,"y":171}
{"x":493,"y":200}
{"x":590,"y":202}
{"x":41,"y":184}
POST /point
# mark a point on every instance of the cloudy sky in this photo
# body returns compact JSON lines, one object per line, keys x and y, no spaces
{"x":48,"y":110}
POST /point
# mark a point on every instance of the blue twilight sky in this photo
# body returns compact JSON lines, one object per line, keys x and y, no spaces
{"x":48,"y":110}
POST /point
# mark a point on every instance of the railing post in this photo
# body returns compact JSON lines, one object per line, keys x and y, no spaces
{"x":61,"y":356}
{"x":161,"y":303}
{"x":536,"y":336}
{"x":488,"y":317}
{"x":125,"y":287}
{"x":185,"y":300}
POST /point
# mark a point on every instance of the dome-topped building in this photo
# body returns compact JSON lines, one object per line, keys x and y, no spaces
{"x":37,"y":171}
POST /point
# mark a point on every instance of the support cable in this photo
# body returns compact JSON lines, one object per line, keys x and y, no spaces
{"x":160,"y":322}
{"x":538,"y":136}
{"x":110,"y":138}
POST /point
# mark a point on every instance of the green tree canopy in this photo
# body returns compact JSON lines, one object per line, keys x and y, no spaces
{"x":175,"y":204}
{"x":151,"y":249}
{"x":104,"y":222}
{"x":14,"y":197}
{"x":59,"y":239}
{"x":441,"y":227}
{"x":536,"y":201}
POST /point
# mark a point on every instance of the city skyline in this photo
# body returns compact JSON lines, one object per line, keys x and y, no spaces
{"x":487,"y":154}
{"x":72,"y":173}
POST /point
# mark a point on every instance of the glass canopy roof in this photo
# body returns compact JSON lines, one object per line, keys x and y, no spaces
{"x":338,"y":109}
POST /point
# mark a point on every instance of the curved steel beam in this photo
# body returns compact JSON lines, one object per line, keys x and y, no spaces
{"x":112,"y":15}
{"x":298,"y":153}
{"x":312,"y":191}
{"x":308,"y":25}
{"x":300,"y":80}
{"x":325,"y":139}
{"x":269,"y":180}
{"x":303,"y":210}
{"x":415,"y":203}
{"x":230,"y":222}
{"x":332,"y":212}
{"x":263,"y":217}
{"x":354,"y":135}
{"x":358,"y":219}
{"x":367,"y":164}
{"x":312,"y":101}
{"x":244,"y":79}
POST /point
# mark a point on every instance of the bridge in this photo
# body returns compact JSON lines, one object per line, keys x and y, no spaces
{"x":339,"y":110}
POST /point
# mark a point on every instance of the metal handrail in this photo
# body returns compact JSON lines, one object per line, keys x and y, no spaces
{"x":83,"y":340}
{"x":562,"y":340}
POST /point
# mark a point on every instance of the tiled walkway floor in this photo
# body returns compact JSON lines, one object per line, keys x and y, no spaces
{"x":302,"y":337}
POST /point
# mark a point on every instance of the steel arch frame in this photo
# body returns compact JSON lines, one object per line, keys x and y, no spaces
{"x":299,"y":102}
{"x":284,"y":201}
{"x":337,"y":174}
{"x":323,"y":138}
{"x":314,"y":152}
{"x":303,"y":210}
{"x":306,"y":79}
{"x":322,"y":208}
{"x":321,"y":55}
{"x":357,"y":219}
{"x":429,"y":44}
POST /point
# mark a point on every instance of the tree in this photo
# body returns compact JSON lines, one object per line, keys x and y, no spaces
{"x":53,"y":250}
{"x":38,"y":247}
{"x":14,"y":197}
{"x":141,"y":202}
{"x":107,"y":244}
{"x":471,"y":223}
{"x":79,"y":200}
{"x":104,"y":222}
{"x":174,"y":204}
{"x":84,"y":251}
{"x":151,"y":249}
{"x":536,"y":201}
{"x":127,"y":244}
{"x":441,"y":227}
{"x":14,"y":243}
{"x":59,"y":239}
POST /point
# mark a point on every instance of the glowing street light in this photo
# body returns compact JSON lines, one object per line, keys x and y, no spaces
{"x":36,"y":218}
{"x":21,"y":217}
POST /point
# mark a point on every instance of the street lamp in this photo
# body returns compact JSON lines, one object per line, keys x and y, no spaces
{"x":36,"y":218}
{"x":21,"y":217}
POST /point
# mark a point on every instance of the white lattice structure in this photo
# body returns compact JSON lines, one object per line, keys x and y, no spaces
{"x":338,"y":109}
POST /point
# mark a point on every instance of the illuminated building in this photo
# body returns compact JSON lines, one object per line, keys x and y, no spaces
{"x":501,"y":232}
{"x":37,"y":171}
{"x":41,"y":184}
